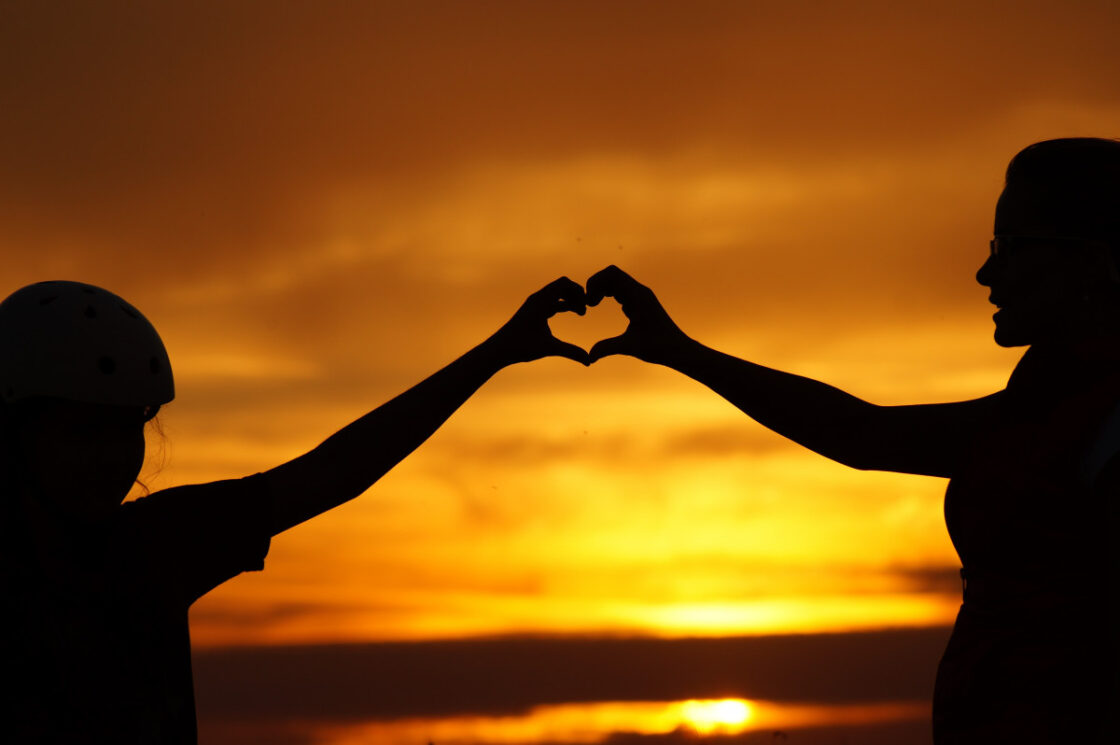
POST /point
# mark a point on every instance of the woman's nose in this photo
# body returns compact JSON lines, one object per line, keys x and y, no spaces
{"x":984,"y":273}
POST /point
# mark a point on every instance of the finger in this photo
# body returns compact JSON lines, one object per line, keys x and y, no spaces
{"x":610,"y":282}
{"x":608,"y":347}
{"x":562,"y":295}
{"x":602,"y":284}
{"x":571,"y":351}
{"x":571,"y":306}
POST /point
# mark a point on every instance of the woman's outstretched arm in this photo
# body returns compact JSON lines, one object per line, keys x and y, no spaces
{"x":924,"y":439}
{"x":352,"y":459}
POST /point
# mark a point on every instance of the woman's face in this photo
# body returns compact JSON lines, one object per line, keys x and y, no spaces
{"x":1040,"y":283}
{"x":84,"y":458}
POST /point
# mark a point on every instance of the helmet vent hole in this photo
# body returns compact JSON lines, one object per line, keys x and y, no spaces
{"x":90,"y":312}
{"x":107,"y":365}
{"x":48,"y":300}
{"x":87,"y":290}
{"x":154,"y":365}
{"x":129,"y":311}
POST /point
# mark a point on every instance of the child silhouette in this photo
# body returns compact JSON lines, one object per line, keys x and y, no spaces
{"x":96,"y":592}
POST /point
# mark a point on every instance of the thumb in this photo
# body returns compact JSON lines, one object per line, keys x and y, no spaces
{"x":559,"y":348}
{"x":608,"y":347}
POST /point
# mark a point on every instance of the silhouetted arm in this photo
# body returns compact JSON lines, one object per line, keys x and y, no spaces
{"x":352,"y":459}
{"x":924,"y":439}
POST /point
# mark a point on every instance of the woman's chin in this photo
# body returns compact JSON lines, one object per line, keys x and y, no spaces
{"x":1011,"y":335}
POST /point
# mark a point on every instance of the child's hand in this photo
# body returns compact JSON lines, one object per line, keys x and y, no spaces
{"x":527,"y":337}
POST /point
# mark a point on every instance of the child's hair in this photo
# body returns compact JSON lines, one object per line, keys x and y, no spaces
{"x":154,"y":426}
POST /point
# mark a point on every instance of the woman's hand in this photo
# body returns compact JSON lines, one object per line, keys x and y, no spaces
{"x":651,"y":336}
{"x":527,"y":336}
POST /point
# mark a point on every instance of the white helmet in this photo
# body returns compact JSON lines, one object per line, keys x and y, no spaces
{"x":82,"y":343}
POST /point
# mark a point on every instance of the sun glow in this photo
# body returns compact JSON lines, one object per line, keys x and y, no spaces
{"x":595,"y":723}
{"x":725,"y":716}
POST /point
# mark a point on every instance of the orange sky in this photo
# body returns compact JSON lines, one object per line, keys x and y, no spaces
{"x":319,"y":205}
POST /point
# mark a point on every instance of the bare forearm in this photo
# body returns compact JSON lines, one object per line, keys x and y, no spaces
{"x":813,"y":414}
{"x":925,"y":439}
{"x":351,"y":460}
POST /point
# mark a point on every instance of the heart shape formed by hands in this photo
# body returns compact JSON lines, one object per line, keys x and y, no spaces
{"x":601,"y":322}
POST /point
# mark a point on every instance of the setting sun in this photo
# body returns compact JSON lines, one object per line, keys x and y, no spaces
{"x":725,"y":716}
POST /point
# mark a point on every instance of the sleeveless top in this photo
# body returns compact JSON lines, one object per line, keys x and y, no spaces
{"x":1032,"y":653}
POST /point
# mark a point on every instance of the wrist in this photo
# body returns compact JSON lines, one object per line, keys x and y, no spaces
{"x":681,"y":353}
{"x":494,"y":353}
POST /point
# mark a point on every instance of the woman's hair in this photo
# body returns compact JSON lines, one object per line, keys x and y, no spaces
{"x":1077,"y":181}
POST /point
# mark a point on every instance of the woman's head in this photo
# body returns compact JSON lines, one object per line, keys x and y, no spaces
{"x":1053,"y":270}
{"x":81,"y":371}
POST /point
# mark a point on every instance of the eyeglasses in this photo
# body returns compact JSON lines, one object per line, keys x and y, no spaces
{"x":1002,"y":244}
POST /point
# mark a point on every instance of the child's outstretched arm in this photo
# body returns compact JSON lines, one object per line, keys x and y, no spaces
{"x":352,"y":459}
{"x":925,"y":439}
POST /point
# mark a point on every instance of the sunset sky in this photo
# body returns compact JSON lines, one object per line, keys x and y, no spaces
{"x":318,"y":204}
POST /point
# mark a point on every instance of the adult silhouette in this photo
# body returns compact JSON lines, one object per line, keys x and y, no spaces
{"x":1034,"y":475}
{"x":95,"y":593}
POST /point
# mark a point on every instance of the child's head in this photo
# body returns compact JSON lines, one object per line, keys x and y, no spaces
{"x":81,"y":371}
